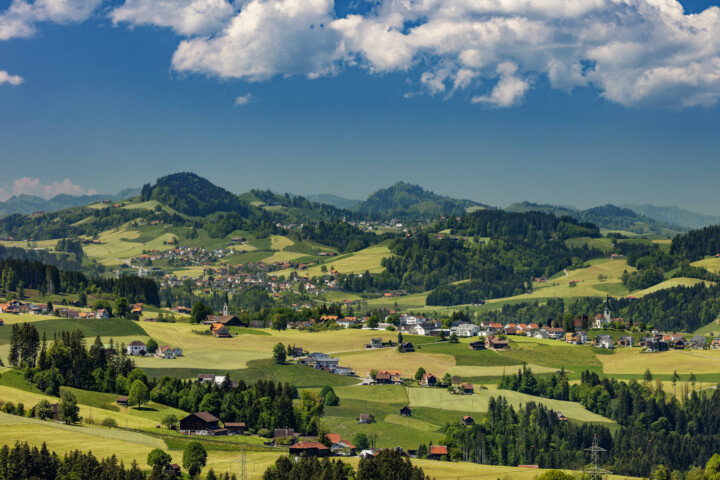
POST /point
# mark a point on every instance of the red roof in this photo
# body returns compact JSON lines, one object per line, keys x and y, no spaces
{"x":306,"y":445}
{"x":438,"y":450}
{"x":335,"y":438}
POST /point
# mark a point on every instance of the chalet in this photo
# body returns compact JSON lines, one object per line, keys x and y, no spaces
{"x":136,"y":347}
{"x":364,"y":418}
{"x":655,"y":343}
{"x":173,"y":468}
{"x":309,"y":449}
{"x":122,"y":401}
{"x":561,"y":417}
{"x":235,"y":428}
{"x":678,"y":342}
{"x":220,"y":330}
{"x":225,"y":320}
{"x":467,"y":389}
{"x":339,"y":446}
{"x":406,"y":347}
{"x":183,"y":310}
{"x":626,"y":341}
{"x":541,"y":333}
{"x":697,"y":342}
{"x":467,"y":420}
{"x":437,"y":452}
{"x":13,"y":306}
{"x":496,"y":344}
{"x":509,"y":331}
{"x":478,"y":345}
{"x":389,"y":377}
{"x":428,"y":380}
{"x":102,"y":313}
{"x":715,"y":344}
{"x":406,"y":411}
{"x":201,"y":423}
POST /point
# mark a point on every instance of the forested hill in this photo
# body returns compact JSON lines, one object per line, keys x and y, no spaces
{"x":521,"y":246}
{"x":195,"y":196}
{"x":605,"y":216}
{"x":25,"y":204}
{"x":406,"y":201}
{"x":295,"y":208}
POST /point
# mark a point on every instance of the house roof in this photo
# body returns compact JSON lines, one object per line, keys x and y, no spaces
{"x":335,"y":438}
{"x":308,"y":445}
{"x":136,"y":343}
{"x":438,"y":450}
{"x":467,"y":386}
{"x":234,"y":424}
{"x":205,"y":416}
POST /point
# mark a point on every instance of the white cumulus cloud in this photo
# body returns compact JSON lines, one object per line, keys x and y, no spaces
{"x":646,"y":53}
{"x":33,"y":186}
{"x":267,"y":38}
{"x":14,"y":80}
{"x":19,"y":20}
{"x":186,"y":17}
{"x":244,"y":99}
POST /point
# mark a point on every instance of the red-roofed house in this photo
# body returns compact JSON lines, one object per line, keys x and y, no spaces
{"x":340,"y":446}
{"x":437,"y":452}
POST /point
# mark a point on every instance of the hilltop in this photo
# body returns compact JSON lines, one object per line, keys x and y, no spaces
{"x":609,"y":217}
{"x":406,"y":201}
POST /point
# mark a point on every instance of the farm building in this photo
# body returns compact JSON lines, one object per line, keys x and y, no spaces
{"x":496,"y":344}
{"x":201,"y":423}
{"x":467,"y":420}
{"x":478,"y":345}
{"x":437,"y":452}
{"x":406,"y":411}
{"x":309,"y":449}
{"x":235,"y":428}
{"x":428,"y":380}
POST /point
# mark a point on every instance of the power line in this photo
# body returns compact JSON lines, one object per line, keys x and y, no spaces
{"x":594,"y":471}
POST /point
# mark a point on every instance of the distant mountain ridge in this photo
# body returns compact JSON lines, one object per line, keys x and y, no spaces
{"x":676,"y":215}
{"x":26,"y":204}
{"x":407,"y":201}
{"x":608,"y":216}
{"x":334,"y":200}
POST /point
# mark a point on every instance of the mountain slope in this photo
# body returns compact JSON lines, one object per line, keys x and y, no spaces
{"x":608,"y":216}
{"x":675,"y":215}
{"x":29,"y":203}
{"x":406,"y":201}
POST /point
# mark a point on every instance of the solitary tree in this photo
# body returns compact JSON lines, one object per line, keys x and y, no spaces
{"x":169,"y":420}
{"x":279,"y":354}
{"x":139,"y":393}
{"x":648,"y":376}
{"x":420,"y":372}
{"x":361,"y":442}
{"x":151,"y":346}
{"x":68,"y":409}
{"x":43,"y":410}
{"x":194,"y":458}
{"x":159,"y":459}
{"x":122,"y":307}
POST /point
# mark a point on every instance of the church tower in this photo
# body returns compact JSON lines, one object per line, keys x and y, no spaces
{"x":225,"y":310}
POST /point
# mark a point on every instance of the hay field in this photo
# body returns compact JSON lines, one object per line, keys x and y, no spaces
{"x":632,"y":361}
{"x":670,"y":283}
{"x":391,"y":359}
{"x":118,"y":245}
{"x":361,"y":261}
{"x":478,"y":403}
{"x":711,"y":263}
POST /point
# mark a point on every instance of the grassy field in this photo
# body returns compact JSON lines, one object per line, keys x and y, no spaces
{"x":391,"y":359}
{"x":711,"y":329}
{"x":364,"y":260}
{"x":121,"y":244}
{"x":478,"y":403}
{"x":632,"y":361}
{"x":711,"y":263}
{"x":406,"y":302}
{"x":670,"y":283}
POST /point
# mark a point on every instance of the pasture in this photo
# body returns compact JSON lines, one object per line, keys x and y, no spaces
{"x":711,"y":263}
{"x":633,"y":361}
{"x":478,"y":403}
{"x":670,"y":283}
{"x":361,"y":261}
{"x":120,"y":244}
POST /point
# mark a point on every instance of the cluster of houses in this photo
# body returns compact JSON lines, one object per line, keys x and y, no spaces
{"x":15,"y":307}
{"x":138,"y":348}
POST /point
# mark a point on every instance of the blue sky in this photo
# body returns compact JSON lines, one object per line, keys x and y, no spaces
{"x":110,"y":98}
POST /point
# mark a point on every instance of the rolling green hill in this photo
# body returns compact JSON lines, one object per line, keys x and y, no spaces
{"x":405,"y":201}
